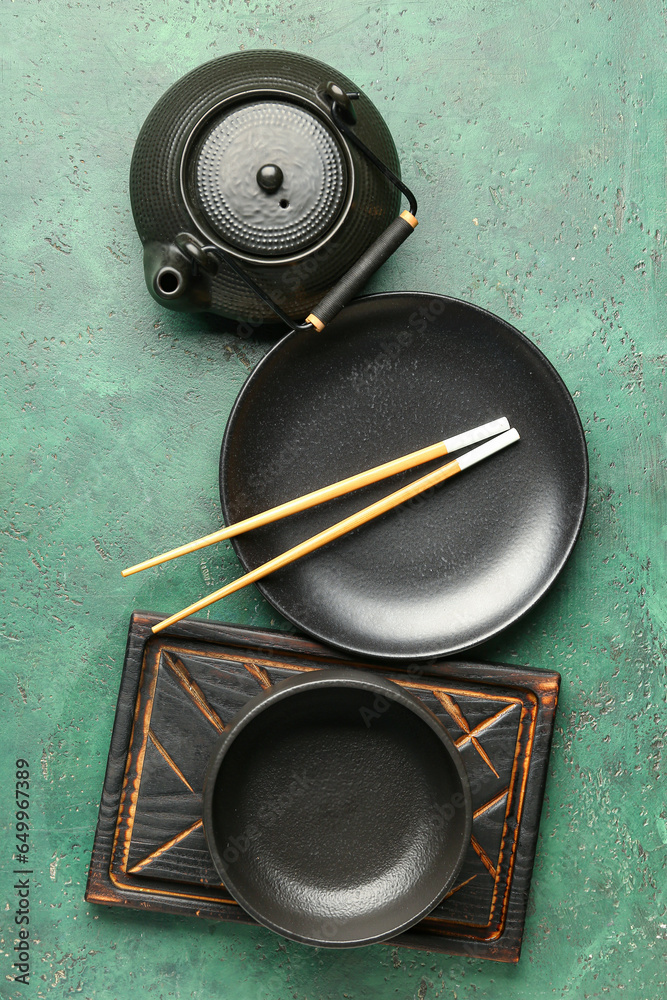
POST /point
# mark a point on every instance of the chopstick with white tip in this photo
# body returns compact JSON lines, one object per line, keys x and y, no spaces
{"x":437,"y":450}
{"x":350,"y":523}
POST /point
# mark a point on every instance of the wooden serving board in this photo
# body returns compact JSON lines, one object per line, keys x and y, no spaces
{"x":180,"y":689}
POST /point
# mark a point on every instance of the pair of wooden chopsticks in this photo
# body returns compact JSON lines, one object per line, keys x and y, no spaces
{"x":497,"y":430}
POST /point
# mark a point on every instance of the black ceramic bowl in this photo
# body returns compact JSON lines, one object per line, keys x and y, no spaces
{"x":337,"y":809}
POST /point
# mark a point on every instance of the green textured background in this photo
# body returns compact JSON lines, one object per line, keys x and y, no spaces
{"x":534,"y":136}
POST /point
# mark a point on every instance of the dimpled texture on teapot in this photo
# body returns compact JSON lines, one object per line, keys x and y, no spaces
{"x":307,"y":202}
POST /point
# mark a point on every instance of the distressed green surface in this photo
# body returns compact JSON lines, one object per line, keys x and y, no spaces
{"x":533,"y":134}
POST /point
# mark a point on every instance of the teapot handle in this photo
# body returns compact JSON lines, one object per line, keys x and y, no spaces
{"x":360,"y":272}
{"x":342,"y":113}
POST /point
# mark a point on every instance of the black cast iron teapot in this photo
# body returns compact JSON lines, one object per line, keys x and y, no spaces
{"x":262,"y":184}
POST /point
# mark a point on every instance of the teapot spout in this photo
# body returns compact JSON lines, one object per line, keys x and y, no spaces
{"x":173,"y":280}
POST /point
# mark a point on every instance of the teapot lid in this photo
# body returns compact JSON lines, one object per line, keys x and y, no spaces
{"x":268,"y":177}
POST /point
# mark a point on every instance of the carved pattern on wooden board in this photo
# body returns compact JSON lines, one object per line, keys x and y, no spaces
{"x":188,"y":691}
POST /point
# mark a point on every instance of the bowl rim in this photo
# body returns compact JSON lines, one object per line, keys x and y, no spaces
{"x":321,"y":679}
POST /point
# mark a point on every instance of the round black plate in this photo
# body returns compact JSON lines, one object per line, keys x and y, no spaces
{"x":337,"y":809}
{"x":391,"y":374}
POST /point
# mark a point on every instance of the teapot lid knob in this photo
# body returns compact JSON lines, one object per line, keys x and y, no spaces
{"x":270,"y":177}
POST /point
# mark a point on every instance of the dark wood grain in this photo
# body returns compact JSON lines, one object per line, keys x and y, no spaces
{"x":180,"y":690}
